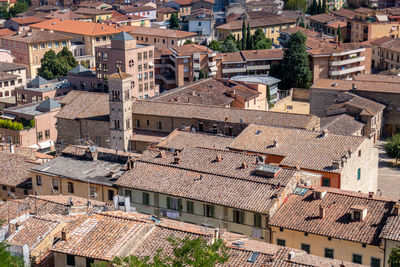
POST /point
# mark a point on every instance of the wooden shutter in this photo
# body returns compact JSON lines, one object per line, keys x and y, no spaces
{"x":242,"y":217}
{"x":179,"y":204}
{"x":212,"y":211}
{"x":168,"y":202}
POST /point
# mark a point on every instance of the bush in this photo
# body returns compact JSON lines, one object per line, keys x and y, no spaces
{"x":392,"y":146}
{"x":11,"y":125}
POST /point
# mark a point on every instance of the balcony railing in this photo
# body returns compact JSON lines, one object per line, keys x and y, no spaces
{"x":347,"y":61}
{"x":258,"y":67}
{"x":233,"y":70}
{"x":166,"y":78}
{"x":346,"y":71}
{"x":212,"y":64}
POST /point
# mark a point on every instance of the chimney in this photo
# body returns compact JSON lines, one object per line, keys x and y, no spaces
{"x":12,"y":149}
{"x":244,"y":165}
{"x":321,"y":211}
{"x":275,"y":143}
{"x":291,"y":255}
{"x":218,"y":158}
{"x":64,"y":235}
{"x":216,"y":234}
{"x":354,"y":87}
{"x":371,"y":194}
{"x":161,"y":154}
{"x":396,"y":209}
{"x":177,"y":160}
{"x":336,"y":164}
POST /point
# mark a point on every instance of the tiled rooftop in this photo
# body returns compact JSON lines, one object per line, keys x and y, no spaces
{"x":138,"y":30}
{"x":341,"y":124}
{"x":16,"y":171}
{"x":180,"y":139}
{"x":322,"y":18}
{"x":364,"y":83}
{"x":301,"y":213}
{"x":77,"y":27}
{"x":233,"y":115}
{"x":306,"y":149}
{"x":36,"y":36}
{"x":258,"y":22}
{"x":5,"y":66}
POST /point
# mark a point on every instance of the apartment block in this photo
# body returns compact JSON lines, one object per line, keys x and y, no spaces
{"x":160,"y":38}
{"x":369,"y":24}
{"x":85,"y":36}
{"x":125,"y":55}
{"x":385,"y":54}
{"x":249,"y":62}
{"x":29,"y":47}
{"x":332,"y":59}
{"x":181,"y":65}
{"x":40,"y":89}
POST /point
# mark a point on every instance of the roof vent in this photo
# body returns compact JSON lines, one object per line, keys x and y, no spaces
{"x":266,"y":170}
{"x":102,"y":27}
{"x":218,"y":158}
{"x":335,"y":164}
{"x":324,"y":133}
{"x":177,"y":160}
{"x":291,"y":255}
{"x":53,"y":23}
{"x":275,"y":143}
{"x":322,"y":211}
{"x":335,"y":84}
{"x":244,"y":165}
{"x":161,"y":154}
{"x":354,"y":87}
{"x":396,"y":209}
{"x":371,"y":194}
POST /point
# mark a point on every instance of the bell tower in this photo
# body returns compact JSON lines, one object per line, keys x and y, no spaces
{"x":120,"y":103}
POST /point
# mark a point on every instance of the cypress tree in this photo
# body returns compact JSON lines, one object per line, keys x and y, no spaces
{"x":339,"y":34}
{"x":324,"y":6}
{"x":244,"y":41}
{"x":248,"y":45}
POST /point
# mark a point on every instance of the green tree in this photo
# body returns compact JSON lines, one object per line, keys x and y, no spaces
{"x":215,"y":45}
{"x":301,"y":24}
{"x":19,"y":7}
{"x":394,"y":257}
{"x":56,"y":65}
{"x":188,"y":42}
{"x":392,"y":146}
{"x":244,"y":36}
{"x":174,"y":21}
{"x":263,"y":44}
{"x":324,"y":6}
{"x":295,"y":66}
{"x":4,"y":12}
{"x":7,"y":259}
{"x":201,"y":74}
{"x":229,"y":46}
{"x":296,"y":5}
{"x":185,"y":252}
{"x":276,"y":70}
{"x":339,"y":34}
{"x":248,"y":37}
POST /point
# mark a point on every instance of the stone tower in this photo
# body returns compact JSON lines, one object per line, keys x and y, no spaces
{"x":120,"y":103}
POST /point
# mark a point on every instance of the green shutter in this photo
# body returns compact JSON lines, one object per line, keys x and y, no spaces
{"x":179,"y":204}
{"x":212,"y":211}
{"x":242,"y":217}
{"x":168,"y":202}
{"x":204,"y":210}
{"x":359,"y":174}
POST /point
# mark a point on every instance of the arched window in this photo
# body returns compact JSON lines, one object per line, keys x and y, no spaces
{"x":131,"y":63}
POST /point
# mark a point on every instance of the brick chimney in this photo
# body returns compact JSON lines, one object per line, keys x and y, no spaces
{"x":322,"y":211}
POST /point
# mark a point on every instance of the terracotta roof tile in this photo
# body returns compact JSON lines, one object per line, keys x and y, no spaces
{"x":6,"y":32}
{"x":16,"y":171}
{"x":232,"y":57}
{"x":77,"y":27}
{"x":371,"y":83}
{"x":301,"y":213}
{"x":27,"y":20}
{"x":306,"y":149}
{"x":157,"y":32}
{"x":341,"y":124}
{"x":262,"y":54}
{"x":322,"y":18}
{"x":179,"y":139}
{"x":36,"y":36}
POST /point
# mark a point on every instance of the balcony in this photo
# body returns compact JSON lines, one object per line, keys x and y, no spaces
{"x":258,"y":67}
{"x":164,"y":65}
{"x":234,"y":70}
{"x":196,"y":66}
{"x":212,"y":64}
{"x":212,"y":73}
{"x":346,"y":71}
{"x":166,"y":78}
{"x":347,"y":61}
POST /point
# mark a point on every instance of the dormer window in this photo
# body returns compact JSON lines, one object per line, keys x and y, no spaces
{"x":358,"y":212}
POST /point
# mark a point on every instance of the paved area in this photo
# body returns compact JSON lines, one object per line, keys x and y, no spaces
{"x":388,"y":176}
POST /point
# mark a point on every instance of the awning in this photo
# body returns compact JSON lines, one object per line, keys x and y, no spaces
{"x":46,"y":144}
{"x":8,"y":116}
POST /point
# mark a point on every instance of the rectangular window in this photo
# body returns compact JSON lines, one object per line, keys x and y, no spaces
{"x":190,"y":207}
{"x":146,"y":199}
{"x":92,"y":191}
{"x":358,"y":174}
{"x":139,"y":67}
{"x":139,"y":56}
{"x":47,"y":134}
{"x":138,"y":123}
{"x":326,"y":182}
{"x":55,"y":184}
{"x":257,"y":220}
{"x":110,"y":195}
{"x":375,"y":262}
{"x":4,"y":187}
{"x":70,"y":187}
{"x":13,"y":82}
{"x":357,"y":258}
{"x":329,"y":253}
{"x":174,"y":203}
{"x":38,"y":180}
{"x":238,"y":216}
{"x":208,"y":210}
{"x":281,"y":242}
{"x":305,"y":247}
{"x":128,"y":193}
{"x":160,"y":125}
{"x":57,"y":44}
{"x":70,"y":260}
{"x":39,"y":136}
